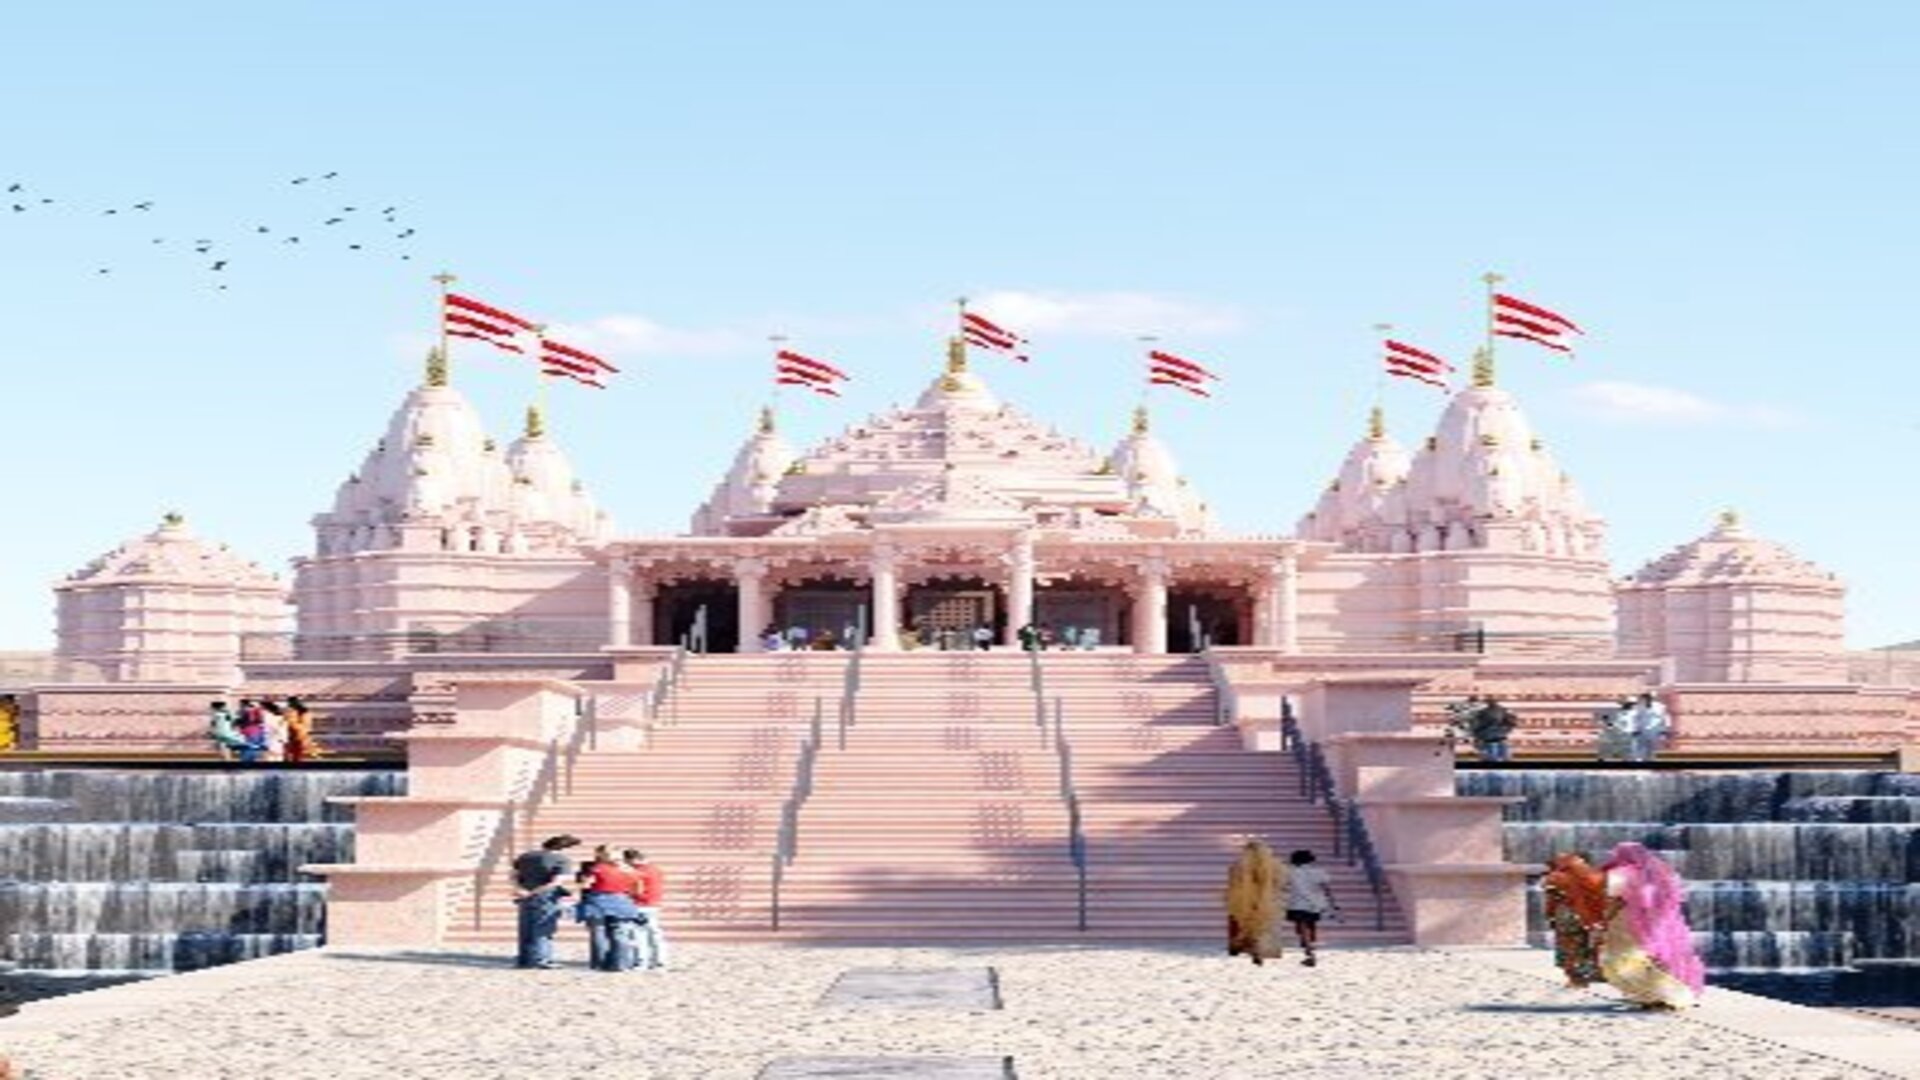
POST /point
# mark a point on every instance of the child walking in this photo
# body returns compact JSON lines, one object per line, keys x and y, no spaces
{"x":1309,"y":898}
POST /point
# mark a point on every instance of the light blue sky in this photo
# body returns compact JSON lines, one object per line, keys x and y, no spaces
{"x":1722,"y":193}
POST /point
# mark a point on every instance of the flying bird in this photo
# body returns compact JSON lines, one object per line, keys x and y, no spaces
{"x":14,"y":187}
{"x":330,"y":176}
{"x":291,"y":240}
{"x":18,"y":209}
{"x":333,"y":221}
{"x":404,"y":235}
{"x":303,"y":179}
{"x":353,"y":247}
{"x":220,"y":265}
{"x":110,"y":211}
{"x":262,"y":229}
{"x":143,"y":206}
{"x":103,"y":270}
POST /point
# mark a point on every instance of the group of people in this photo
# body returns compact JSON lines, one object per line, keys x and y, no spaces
{"x":617,"y":898}
{"x":801,"y":639}
{"x":1622,"y":924}
{"x":1042,"y":637}
{"x":261,"y":730}
{"x":1634,"y":730}
{"x":1260,"y":889}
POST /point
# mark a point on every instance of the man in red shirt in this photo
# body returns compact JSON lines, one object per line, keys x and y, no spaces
{"x":648,"y":893}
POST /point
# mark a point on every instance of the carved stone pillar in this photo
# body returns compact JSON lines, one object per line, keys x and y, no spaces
{"x":883,"y":616}
{"x":642,"y":591}
{"x":1150,"y":608}
{"x":1286,"y":603}
{"x":1264,"y":605}
{"x":1019,"y":590}
{"x":620,"y":602}
{"x":750,"y":575}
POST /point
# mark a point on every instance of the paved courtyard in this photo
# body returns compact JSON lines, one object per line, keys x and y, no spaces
{"x":732,"y":1012}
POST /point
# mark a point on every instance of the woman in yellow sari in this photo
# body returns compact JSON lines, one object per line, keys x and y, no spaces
{"x":1255,"y":883}
{"x":301,"y":745}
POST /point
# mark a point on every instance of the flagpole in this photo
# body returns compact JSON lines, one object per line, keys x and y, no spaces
{"x":779,"y":341}
{"x":1146,"y":385}
{"x":1379,"y":366}
{"x":445,"y":280}
{"x":1483,"y":375}
{"x":960,"y":326}
{"x":540,"y":369}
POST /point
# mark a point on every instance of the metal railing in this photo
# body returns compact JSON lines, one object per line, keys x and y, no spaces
{"x":1350,"y":835}
{"x":1199,"y":638}
{"x":1226,"y":700}
{"x":556,"y":771}
{"x":787,"y":842}
{"x":1039,"y":682}
{"x":1076,"y":832}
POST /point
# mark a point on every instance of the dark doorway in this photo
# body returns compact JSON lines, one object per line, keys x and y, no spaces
{"x":1086,"y":613}
{"x":1220,"y":614}
{"x":945,"y":612}
{"x":836,"y":605}
{"x":676,"y":605}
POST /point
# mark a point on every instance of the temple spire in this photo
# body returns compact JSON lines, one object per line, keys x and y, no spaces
{"x":437,"y":374}
{"x":1139,"y":419}
{"x":1377,"y":423}
{"x":766,"y":419}
{"x":536,"y":423}
{"x":436,"y":366}
{"x":1483,"y":367}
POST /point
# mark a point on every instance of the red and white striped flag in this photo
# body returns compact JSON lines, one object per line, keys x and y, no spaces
{"x":792,"y":369}
{"x":1166,"y":369}
{"x":984,"y":332}
{"x":566,"y":362}
{"x":1515,"y":318}
{"x":1404,"y":361}
{"x":463,"y":316}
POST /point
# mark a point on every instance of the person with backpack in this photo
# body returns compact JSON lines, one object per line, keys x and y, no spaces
{"x":1309,"y":899}
{"x":537,"y":892}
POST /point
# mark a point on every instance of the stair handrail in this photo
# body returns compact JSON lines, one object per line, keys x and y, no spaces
{"x":787,"y":840}
{"x":1350,"y":836}
{"x":1039,"y":681}
{"x":1076,"y":831}
{"x":563,"y":752}
{"x":1226,"y":700}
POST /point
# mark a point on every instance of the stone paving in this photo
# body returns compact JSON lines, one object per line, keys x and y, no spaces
{"x":740,"y":1012}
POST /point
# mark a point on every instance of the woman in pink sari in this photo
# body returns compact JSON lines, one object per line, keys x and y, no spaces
{"x":1648,"y":951}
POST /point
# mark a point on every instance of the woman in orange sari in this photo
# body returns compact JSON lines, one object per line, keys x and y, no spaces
{"x":1255,"y":883}
{"x":1576,"y":896}
{"x":301,"y":745}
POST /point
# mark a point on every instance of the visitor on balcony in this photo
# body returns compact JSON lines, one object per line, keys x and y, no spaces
{"x":771,"y":640}
{"x":1309,"y":899}
{"x":1256,"y":889}
{"x":224,"y":729}
{"x":275,"y":720}
{"x":612,"y":915}
{"x":537,"y":894}
{"x":1613,"y":740}
{"x":1029,"y":637}
{"x":648,"y":893}
{"x":1491,"y":727}
{"x":1576,"y":909}
{"x":253,"y":731}
{"x":983,"y":637}
{"x":301,"y":744}
{"x":1647,"y":953}
{"x":1649,"y":727}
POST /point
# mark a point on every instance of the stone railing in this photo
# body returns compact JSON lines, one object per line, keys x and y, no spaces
{"x":415,"y":855}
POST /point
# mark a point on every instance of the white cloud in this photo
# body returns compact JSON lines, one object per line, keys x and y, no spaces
{"x":637,"y":335}
{"x":1643,"y":403}
{"x":1104,"y":314}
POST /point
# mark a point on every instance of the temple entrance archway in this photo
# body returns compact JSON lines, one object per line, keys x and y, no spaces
{"x":943,"y":613}
{"x":676,"y":604}
{"x":1224,"y":614}
{"x":1083,"y":611}
{"x":802,"y":611}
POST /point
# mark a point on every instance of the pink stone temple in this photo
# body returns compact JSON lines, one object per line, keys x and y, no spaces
{"x":470,"y":602}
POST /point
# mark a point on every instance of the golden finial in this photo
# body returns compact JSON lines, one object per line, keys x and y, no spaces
{"x":1377,"y":423}
{"x":436,"y":366}
{"x":1139,"y":419}
{"x":1482,"y":368}
{"x":536,"y":424}
{"x":766,"y":419}
{"x":798,"y":468}
{"x":173,"y":519}
{"x":1729,"y":518}
{"x":956,"y":355}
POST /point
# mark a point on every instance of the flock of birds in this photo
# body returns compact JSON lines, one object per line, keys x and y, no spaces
{"x":348,"y":227}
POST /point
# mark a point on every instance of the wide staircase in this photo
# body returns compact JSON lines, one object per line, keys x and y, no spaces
{"x":703,"y":800}
{"x":943,"y":816}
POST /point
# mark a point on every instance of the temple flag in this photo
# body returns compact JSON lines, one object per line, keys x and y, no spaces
{"x":1516,"y":318}
{"x":463,"y":316}
{"x":1166,"y":369}
{"x":1403,"y":361}
{"x":793,"y":369}
{"x":566,"y":362}
{"x":984,"y":332}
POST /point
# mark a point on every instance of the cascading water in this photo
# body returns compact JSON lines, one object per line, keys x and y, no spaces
{"x":150,"y":871}
{"x":1800,"y":884}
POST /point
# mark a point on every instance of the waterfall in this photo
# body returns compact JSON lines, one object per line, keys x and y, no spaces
{"x":1793,"y":877}
{"x":158,"y":871}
